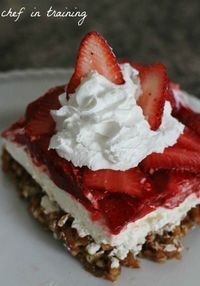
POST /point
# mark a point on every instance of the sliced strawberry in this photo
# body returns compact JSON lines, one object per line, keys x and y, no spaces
{"x":154,"y":84}
{"x":180,"y":185}
{"x":95,"y":55}
{"x":118,"y":209}
{"x":189,"y":118}
{"x":173,"y":158}
{"x":169,"y":88}
{"x":40,"y":125}
{"x":132,"y":182}
{"x":182,"y":181}
{"x":174,"y":186}
{"x":38,"y":117}
{"x":189,"y":140}
{"x":50,"y":97}
{"x":170,"y":97}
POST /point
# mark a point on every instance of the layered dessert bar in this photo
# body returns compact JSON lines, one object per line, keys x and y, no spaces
{"x":110,"y":161}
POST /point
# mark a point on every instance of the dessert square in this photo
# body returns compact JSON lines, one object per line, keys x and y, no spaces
{"x":110,"y":162}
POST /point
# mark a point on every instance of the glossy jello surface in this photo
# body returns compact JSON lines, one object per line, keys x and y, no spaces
{"x":126,"y":196}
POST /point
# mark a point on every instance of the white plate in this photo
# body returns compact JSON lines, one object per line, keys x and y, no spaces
{"x":29,"y":256}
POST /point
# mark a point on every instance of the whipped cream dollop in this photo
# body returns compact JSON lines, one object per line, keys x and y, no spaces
{"x":102,"y":127}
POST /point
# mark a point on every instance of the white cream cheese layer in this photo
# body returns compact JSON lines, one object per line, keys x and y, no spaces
{"x":102,"y":127}
{"x":131,"y":238}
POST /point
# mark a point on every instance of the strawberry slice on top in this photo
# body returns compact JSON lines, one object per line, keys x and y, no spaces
{"x":154,"y":84}
{"x":132,"y":182}
{"x":173,"y":158}
{"x":189,"y":140}
{"x":184,"y":155}
{"x":170,"y":97}
{"x":38,"y":118}
{"x":180,"y":185}
{"x":95,"y":55}
{"x":173,"y":186}
{"x":189,"y":118}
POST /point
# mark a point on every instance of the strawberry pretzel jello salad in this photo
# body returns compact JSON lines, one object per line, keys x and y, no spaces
{"x":110,"y":162}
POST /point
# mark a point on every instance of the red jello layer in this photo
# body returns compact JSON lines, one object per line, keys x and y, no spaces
{"x":170,"y":188}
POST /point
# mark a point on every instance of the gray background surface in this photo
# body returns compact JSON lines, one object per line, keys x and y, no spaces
{"x":143,"y":30}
